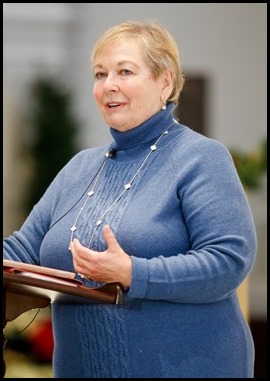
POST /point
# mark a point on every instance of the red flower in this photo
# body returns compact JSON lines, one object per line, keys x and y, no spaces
{"x":42,"y":342}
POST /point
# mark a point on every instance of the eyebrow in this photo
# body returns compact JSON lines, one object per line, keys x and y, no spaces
{"x":121,"y":63}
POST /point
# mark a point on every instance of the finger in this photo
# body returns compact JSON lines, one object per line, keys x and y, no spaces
{"x":74,"y":245}
{"x":81,"y":255}
{"x":77,"y":244}
{"x":110,"y":238}
{"x":79,"y":249}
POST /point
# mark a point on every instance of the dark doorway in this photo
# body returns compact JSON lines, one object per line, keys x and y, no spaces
{"x":191,"y":109}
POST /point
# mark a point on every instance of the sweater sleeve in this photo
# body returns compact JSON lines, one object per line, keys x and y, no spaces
{"x":24,"y":245}
{"x":221,"y":230}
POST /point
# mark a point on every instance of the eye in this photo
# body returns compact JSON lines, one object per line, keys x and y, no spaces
{"x":125,"y":72}
{"x":100,"y":75}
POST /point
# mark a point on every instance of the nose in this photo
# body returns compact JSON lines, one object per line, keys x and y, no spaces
{"x":111,"y":83}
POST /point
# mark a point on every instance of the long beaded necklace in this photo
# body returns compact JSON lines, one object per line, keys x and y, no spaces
{"x":126,"y":187}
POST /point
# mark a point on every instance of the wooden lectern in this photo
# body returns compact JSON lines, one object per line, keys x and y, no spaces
{"x":26,"y":287}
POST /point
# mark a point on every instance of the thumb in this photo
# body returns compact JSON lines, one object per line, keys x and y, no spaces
{"x":110,"y":239}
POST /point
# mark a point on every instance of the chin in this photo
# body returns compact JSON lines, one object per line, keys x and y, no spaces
{"x":117,"y":125}
{"x":120,"y":128}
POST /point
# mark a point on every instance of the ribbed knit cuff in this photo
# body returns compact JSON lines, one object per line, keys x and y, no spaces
{"x":139,"y":282}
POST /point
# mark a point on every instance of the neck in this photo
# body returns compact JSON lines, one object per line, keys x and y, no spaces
{"x":145,"y":132}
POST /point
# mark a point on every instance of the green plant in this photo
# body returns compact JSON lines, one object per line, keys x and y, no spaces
{"x":251,"y":166}
{"x":53,"y":130}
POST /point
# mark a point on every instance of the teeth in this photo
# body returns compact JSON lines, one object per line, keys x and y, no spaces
{"x":113,"y":104}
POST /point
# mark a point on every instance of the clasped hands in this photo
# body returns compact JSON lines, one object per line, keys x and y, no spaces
{"x":111,"y":265}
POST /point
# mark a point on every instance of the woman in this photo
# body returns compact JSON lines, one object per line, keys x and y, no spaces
{"x":160,"y":210}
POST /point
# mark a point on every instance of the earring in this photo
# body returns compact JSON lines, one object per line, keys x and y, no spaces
{"x":164,"y":107}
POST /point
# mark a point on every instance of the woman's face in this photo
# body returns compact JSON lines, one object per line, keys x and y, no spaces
{"x":124,"y":89}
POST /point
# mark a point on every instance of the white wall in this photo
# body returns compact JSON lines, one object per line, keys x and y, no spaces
{"x":226,"y":42}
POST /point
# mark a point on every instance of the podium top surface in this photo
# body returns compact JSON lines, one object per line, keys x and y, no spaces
{"x":56,"y":285}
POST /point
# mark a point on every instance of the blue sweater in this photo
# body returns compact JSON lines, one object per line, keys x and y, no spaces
{"x":189,"y":231}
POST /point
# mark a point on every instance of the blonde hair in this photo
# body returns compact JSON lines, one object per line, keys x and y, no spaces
{"x":159,"y":49}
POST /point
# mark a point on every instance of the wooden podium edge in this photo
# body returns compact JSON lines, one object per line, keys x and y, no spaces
{"x":25,"y":290}
{"x":58,"y":290}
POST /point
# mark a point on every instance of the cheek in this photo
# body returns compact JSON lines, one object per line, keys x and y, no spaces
{"x":97,"y":93}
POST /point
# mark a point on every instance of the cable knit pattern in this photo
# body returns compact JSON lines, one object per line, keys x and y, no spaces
{"x":103,"y":334}
{"x":188,"y":229}
{"x":101,"y":201}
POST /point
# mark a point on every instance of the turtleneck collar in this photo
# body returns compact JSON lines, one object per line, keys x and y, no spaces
{"x":145,"y":132}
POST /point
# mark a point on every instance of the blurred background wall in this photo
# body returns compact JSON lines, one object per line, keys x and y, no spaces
{"x":224,"y":43}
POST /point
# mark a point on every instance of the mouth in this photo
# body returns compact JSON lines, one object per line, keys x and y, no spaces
{"x":111,"y":105}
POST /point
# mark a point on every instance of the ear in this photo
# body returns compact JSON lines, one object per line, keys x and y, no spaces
{"x":167,"y":84}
